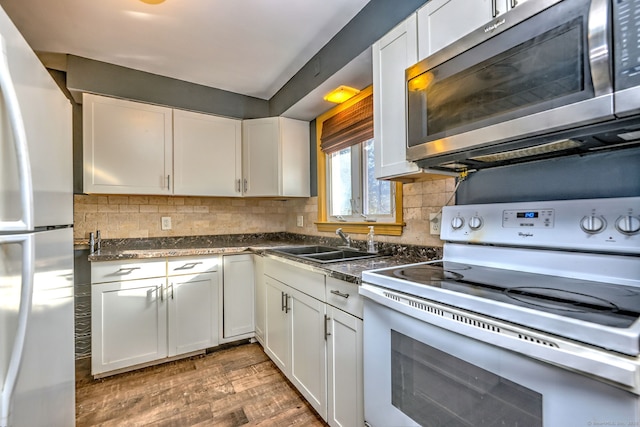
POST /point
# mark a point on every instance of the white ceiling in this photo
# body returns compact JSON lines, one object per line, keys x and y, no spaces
{"x":251,"y":47}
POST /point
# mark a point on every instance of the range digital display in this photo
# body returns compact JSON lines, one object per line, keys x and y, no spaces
{"x":531,"y":214}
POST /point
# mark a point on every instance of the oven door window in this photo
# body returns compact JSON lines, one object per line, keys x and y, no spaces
{"x":538,"y":65}
{"x":437,"y":389}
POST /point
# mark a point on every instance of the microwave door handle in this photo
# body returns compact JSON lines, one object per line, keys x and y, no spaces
{"x":598,"y":29}
{"x":21,"y":148}
{"x":24,"y":311}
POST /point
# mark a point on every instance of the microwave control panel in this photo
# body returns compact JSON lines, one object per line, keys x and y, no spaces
{"x":626,"y":31}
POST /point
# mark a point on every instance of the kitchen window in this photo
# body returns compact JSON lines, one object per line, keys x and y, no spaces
{"x":349,"y":195}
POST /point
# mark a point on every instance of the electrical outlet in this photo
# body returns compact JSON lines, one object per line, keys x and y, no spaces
{"x":166,"y":223}
{"x":434,"y":223}
{"x":300,"y":221}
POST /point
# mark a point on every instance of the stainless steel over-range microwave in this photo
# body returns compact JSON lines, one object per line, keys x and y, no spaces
{"x":548,"y":78}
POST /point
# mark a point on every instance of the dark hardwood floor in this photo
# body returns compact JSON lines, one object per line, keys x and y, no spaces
{"x":236,"y":386}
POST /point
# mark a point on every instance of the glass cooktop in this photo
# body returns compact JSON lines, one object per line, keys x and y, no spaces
{"x":601,"y":303}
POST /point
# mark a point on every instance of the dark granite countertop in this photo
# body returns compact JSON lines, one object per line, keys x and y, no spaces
{"x":351,"y":271}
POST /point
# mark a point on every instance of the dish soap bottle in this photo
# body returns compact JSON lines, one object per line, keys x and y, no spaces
{"x":371,"y":244}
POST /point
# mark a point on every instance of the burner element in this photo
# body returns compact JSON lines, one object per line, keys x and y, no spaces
{"x":559,"y":299}
{"x":427,"y":274}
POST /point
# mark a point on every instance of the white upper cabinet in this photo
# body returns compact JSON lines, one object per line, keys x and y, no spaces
{"x":136,"y":148}
{"x":392,"y":54}
{"x":207,"y":154}
{"x":127,"y":146}
{"x":441,"y":22}
{"x":275,"y":157}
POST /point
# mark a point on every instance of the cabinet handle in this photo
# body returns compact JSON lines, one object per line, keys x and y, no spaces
{"x":286,"y":303}
{"x":168,"y":182}
{"x":326,"y":327}
{"x":246,"y":185}
{"x":127,"y":270}
{"x":172,"y":297}
{"x":161,"y":292}
{"x":188,"y":266}
{"x":340,"y":294}
{"x":282,"y":303}
{"x":514,"y":3}
{"x":494,"y":8}
{"x":238,"y":185}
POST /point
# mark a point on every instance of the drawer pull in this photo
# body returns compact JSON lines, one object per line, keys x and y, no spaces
{"x":188,"y":266}
{"x":340,"y":294}
{"x":127,"y":270}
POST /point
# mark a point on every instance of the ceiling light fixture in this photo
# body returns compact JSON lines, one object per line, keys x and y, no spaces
{"x":341,"y":94}
{"x":152,"y":1}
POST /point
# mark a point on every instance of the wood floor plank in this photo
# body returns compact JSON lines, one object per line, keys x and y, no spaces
{"x":237,"y":386}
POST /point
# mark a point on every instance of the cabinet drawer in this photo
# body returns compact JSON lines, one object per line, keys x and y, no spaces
{"x":117,"y":271}
{"x":308,"y":282}
{"x":192,"y":265}
{"x":345,"y":296}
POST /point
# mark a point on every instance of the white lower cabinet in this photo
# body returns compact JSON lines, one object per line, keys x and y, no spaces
{"x":277,"y":335}
{"x":193,"y":312}
{"x":260,"y":298}
{"x":129,"y":324}
{"x":144,"y":312}
{"x":308,"y":360}
{"x":239,"y":291}
{"x":345,"y":370}
{"x":316,"y":339}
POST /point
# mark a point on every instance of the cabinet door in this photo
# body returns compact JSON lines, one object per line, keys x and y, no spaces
{"x":127,"y":147}
{"x":308,"y":353}
{"x":261,"y":157}
{"x":277,"y":325}
{"x":129,"y":324}
{"x":392,"y":54}
{"x":193,"y":312}
{"x":441,"y":22}
{"x":295,"y":142}
{"x":345,"y":372}
{"x":261,"y":298}
{"x":238,"y":284}
{"x":207,"y":154}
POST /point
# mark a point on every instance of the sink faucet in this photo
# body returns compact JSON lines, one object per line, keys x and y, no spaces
{"x":346,"y":239}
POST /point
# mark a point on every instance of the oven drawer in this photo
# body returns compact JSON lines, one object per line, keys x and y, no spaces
{"x":344,"y":295}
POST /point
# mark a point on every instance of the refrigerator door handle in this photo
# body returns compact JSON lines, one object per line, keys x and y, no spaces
{"x":26,"y":294}
{"x":26,"y":223}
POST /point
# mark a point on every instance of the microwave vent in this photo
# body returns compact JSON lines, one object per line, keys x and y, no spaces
{"x":561,"y":145}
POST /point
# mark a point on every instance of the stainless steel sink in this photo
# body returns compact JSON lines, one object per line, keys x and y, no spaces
{"x":305,"y":250}
{"x":325,"y":254}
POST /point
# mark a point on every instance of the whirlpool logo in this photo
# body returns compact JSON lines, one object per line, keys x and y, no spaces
{"x":494,"y":26}
{"x":521,"y":234}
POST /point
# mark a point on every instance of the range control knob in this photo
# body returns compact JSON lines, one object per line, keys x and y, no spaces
{"x":593,"y":224}
{"x":457,"y":222}
{"x":628,"y":224}
{"x":475,"y":222}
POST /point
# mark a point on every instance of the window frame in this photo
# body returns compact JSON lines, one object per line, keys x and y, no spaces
{"x":324,"y":222}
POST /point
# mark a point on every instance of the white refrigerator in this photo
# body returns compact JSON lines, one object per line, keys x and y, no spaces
{"x":37,"y":371}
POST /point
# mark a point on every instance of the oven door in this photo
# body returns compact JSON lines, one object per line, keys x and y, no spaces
{"x":533,"y":71}
{"x":416,"y":373}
